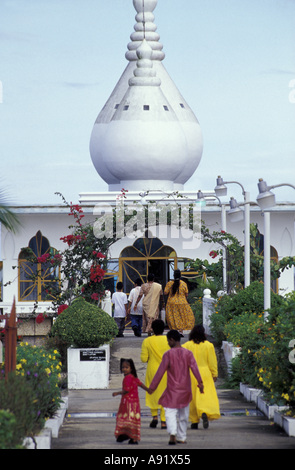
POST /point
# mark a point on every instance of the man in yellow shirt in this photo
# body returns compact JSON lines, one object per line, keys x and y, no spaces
{"x":152,"y":350}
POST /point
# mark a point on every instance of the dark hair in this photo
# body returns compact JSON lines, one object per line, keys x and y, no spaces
{"x":158,"y":326}
{"x":197,"y":334}
{"x":131,"y":363}
{"x":175,"y":286}
{"x":119,"y":285}
{"x":138,"y":282}
{"x":174,"y":334}
{"x":151,"y":277}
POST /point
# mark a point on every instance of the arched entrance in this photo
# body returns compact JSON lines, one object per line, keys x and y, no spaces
{"x":146,"y":255}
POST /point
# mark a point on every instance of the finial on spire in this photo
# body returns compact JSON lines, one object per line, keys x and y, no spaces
{"x":145,"y":28}
{"x":144,"y":74}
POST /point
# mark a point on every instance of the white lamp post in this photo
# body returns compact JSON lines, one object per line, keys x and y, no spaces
{"x":221,"y":190}
{"x":265,"y":200}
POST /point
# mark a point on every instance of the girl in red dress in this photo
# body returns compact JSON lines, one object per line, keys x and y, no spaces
{"x":128,"y":416}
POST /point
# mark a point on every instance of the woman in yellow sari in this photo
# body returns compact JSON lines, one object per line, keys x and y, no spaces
{"x":205,"y":405}
{"x":152,"y":350}
{"x":179,"y":314}
{"x":151,"y":292}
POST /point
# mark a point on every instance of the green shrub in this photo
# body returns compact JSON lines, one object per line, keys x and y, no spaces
{"x":196,"y":304}
{"x":264,"y":360}
{"x":17,"y":396}
{"x":219,"y":318}
{"x":250,"y":299}
{"x":84,"y":325}
{"x":31,"y":392}
{"x":247,"y":331}
{"x":276,"y":373}
{"x":8,"y":438}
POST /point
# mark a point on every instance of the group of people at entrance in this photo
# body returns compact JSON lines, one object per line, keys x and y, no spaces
{"x":179,"y":384}
{"x":147,"y":300}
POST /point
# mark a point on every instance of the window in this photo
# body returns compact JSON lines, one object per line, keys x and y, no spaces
{"x":165,"y":107}
{"x":38,"y":279}
{"x":126,"y":107}
{"x":146,"y":107}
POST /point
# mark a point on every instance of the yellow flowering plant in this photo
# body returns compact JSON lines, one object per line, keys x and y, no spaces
{"x":42,"y":369}
{"x":276,"y":372}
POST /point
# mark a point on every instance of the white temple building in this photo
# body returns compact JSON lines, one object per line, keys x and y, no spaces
{"x":147,"y":140}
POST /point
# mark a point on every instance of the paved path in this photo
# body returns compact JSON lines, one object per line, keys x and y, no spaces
{"x":90,"y":422}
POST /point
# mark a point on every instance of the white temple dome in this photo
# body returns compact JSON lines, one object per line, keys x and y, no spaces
{"x":146,"y":136}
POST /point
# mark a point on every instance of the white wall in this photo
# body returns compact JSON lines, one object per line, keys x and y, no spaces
{"x":54,"y":225}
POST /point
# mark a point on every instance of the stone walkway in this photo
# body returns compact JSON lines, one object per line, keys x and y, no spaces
{"x":90,"y":422}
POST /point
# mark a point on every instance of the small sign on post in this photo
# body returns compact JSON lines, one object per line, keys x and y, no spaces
{"x":92,"y":355}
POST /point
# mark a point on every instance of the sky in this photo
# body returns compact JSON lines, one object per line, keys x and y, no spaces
{"x":232,"y":60}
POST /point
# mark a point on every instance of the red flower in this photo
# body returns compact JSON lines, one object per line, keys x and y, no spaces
{"x":69,"y":239}
{"x":95,"y":296}
{"x":61,"y":308}
{"x":213,"y":254}
{"x":40,"y":318}
{"x":96,"y":273}
{"x":98,"y":254}
{"x":43,"y":258}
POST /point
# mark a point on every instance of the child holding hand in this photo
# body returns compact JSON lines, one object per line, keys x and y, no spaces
{"x":128,"y":417}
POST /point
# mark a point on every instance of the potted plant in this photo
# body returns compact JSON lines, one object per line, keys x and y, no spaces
{"x":86,"y":330}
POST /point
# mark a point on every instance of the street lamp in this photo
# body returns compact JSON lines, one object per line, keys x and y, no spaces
{"x":221,"y":190}
{"x":266,"y":200}
{"x":235,"y":213}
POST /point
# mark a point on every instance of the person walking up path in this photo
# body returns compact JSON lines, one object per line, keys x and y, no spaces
{"x":128,"y":417}
{"x":177,"y":362}
{"x":119,"y":299}
{"x":179,"y":315}
{"x":135,"y":315}
{"x":152,"y":294}
{"x":203,"y":406}
{"x":152,"y":351}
